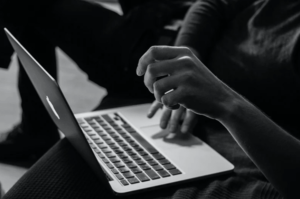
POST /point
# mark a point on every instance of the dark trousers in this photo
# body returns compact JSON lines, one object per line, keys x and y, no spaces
{"x":103,"y":44}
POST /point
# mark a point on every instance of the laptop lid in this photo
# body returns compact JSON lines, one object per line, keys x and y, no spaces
{"x":56,"y":105}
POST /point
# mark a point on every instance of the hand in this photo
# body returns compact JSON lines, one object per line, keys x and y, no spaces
{"x":186,"y":81}
{"x":171,"y":119}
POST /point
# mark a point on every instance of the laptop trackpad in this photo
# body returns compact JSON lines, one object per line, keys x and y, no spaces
{"x":167,"y":140}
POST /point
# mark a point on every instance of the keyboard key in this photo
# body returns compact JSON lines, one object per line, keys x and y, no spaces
{"x":135,"y":157}
{"x":117,"y":128}
{"x":118,"y":140}
{"x":169,"y":166}
{"x":174,"y":171}
{"x":152,"y":174}
{"x":110,"y":132}
{"x":115,"y":171}
{"x":158,"y":156}
{"x":119,"y":165}
{"x":119,"y":176}
{"x":105,"y":160}
{"x":127,"y":160}
{"x":157,"y":168}
{"x":101,"y":155}
{"x":140,"y":162}
{"x":97,"y":150}
{"x":133,"y":180}
{"x":123,"y":170}
{"x":152,"y":151}
{"x":99,"y":141}
{"x":102,"y":146}
{"x":136,"y":170}
{"x":110,"y":155}
{"x":126,"y":148}
{"x":132,"y":165}
{"x":131,"y":153}
{"x":163,"y":173}
{"x":110,"y":142}
{"x":114,"y":160}
{"x":122,"y":156}
{"x":164,"y":161}
{"x":122,"y":144}
{"x":115,"y":136}
{"x":133,"y":144}
{"x":118,"y":151}
{"x":138,"y":149}
{"x":106,"y":150}
{"x":101,"y":133}
{"x":114,"y":147}
{"x":95,"y":137}
{"x":129,"y":140}
{"x":124,"y":182}
{"x":147,"y":158}
{"x":125,"y":136}
{"x":142,"y":153}
{"x":152,"y":162}
{"x":110,"y":165}
{"x":142,"y":177}
{"x":128,"y":175}
{"x":121,"y":132}
{"x":106,"y":139}
{"x":145,"y":167}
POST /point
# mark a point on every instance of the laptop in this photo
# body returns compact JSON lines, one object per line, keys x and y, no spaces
{"x":127,"y":151}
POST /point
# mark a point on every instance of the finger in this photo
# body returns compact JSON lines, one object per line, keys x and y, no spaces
{"x":189,"y":121}
{"x":160,"y":70}
{"x":164,"y":86}
{"x":158,"y":53}
{"x":153,"y":108}
{"x":164,"y":120}
{"x":175,"y":119}
{"x":173,"y":98}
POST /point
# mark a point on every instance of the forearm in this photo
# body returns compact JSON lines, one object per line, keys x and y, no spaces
{"x":273,"y":150}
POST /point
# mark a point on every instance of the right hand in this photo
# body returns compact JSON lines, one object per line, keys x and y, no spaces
{"x":181,"y":120}
{"x":191,"y":84}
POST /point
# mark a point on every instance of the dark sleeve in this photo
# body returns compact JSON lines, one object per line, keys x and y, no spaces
{"x":205,"y":20}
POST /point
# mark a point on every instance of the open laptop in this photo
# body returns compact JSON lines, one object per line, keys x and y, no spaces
{"x":126,"y":150}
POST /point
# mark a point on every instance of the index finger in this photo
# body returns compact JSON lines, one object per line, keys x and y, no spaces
{"x":158,"y":53}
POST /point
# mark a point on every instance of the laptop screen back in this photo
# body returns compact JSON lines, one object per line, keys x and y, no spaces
{"x":56,"y":104}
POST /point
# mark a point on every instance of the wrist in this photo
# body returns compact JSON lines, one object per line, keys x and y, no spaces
{"x":230,"y":106}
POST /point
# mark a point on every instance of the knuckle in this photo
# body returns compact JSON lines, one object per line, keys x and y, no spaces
{"x":156,"y":86}
{"x":151,"y":69}
{"x":152,"y":50}
{"x":186,"y":50}
{"x":166,"y":101}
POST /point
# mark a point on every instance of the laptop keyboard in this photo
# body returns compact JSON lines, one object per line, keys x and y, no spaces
{"x":125,"y":152}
